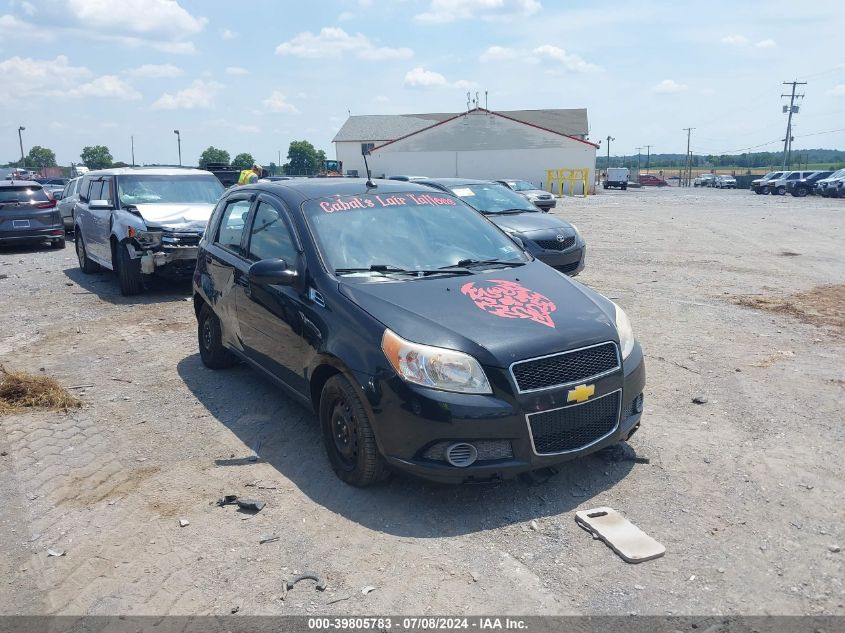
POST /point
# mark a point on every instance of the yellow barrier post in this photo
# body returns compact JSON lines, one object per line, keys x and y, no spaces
{"x":572,"y":176}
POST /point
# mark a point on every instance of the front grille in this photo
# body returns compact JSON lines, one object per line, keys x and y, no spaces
{"x":578,"y":365}
{"x":556,"y":245}
{"x":574,"y":427}
{"x":181,"y":240}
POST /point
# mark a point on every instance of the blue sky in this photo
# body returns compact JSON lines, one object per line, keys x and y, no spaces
{"x":252,"y":76}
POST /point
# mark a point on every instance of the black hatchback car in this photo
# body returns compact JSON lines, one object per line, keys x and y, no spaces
{"x":421,"y":334}
{"x":550,"y":239}
{"x":29,"y":213}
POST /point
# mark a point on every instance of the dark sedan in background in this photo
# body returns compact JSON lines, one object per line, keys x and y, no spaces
{"x":29,"y":213}
{"x":550,"y":239}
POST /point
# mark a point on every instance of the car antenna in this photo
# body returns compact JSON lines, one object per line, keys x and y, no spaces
{"x":369,"y":182}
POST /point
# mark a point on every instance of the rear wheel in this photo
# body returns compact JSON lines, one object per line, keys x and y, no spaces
{"x":58,"y":243}
{"x":128,"y":271}
{"x":209,"y":336}
{"x":780,"y":191}
{"x":86,"y":265}
{"x":800,"y":192}
{"x":348,"y":435}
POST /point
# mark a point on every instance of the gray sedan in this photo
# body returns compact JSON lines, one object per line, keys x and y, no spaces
{"x":541,"y":199}
{"x":28,"y":213}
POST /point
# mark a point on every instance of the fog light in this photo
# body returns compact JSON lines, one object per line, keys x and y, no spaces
{"x":461,"y":454}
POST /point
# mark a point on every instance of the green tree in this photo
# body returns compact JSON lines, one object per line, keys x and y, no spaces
{"x":303,"y":159}
{"x":213,"y":155}
{"x":96,"y":157}
{"x":40,"y":157}
{"x":243,"y":161}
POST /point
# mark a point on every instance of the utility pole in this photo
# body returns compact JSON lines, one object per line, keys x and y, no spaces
{"x":647,"y":157}
{"x":20,"y":139}
{"x":639,"y":153}
{"x":609,"y":138}
{"x":791,"y":109}
{"x":179,"y":142}
{"x":688,"y":164}
{"x":133,"y":150}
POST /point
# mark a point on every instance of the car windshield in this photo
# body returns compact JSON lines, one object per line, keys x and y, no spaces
{"x":837,"y":174}
{"x":493,"y":198}
{"x":24,"y":193}
{"x":149,"y":189}
{"x":777,"y":174}
{"x":400,"y":232}
{"x":521,"y":185}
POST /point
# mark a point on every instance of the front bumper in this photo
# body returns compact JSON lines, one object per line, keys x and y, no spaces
{"x":410,"y":421}
{"x":569,"y":262}
{"x":176,"y":254}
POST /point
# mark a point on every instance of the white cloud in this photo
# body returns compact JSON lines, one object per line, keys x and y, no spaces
{"x":28,"y":8}
{"x":198,"y":96}
{"x":442,"y":11}
{"x":155,"y":71}
{"x":765,"y":44}
{"x":335,"y":42}
{"x":569,"y":61}
{"x":236,"y":70}
{"x":837,"y":91}
{"x":498,"y":53}
{"x":110,"y":86}
{"x":668,"y":86}
{"x":277,"y":102}
{"x":25,"y":77}
{"x":421,"y":78}
{"x":146,"y":17}
{"x":735,"y":40}
{"x":226,"y":34}
{"x":248,"y":129}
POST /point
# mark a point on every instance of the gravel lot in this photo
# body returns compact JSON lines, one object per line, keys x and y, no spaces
{"x":744,"y":491}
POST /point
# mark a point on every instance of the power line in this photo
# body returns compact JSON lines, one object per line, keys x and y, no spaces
{"x":791,"y":109}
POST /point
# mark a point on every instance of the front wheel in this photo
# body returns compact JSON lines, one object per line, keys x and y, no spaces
{"x":348,"y":435}
{"x":780,"y":191}
{"x":800,"y":192}
{"x":128,"y":270}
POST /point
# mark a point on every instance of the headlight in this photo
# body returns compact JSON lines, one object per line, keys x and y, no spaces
{"x":148,"y":238}
{"x":434,"y":367}
{"x":575,"y":228}
{"x":626,"y":333}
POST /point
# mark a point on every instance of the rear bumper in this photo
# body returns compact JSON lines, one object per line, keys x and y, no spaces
{"x":51,"y":233}
{"x":545,"y":205}
{"x":409,"y":421}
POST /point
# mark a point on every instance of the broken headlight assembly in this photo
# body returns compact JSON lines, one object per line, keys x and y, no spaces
{"x":147,"y":239}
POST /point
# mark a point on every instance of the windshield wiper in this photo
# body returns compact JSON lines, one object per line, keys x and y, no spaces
{"x":511,"y":211}
{"x":475,"y":263}
{"x":389,"y":269}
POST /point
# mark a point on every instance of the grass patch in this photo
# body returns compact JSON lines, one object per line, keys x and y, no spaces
{"x":20,"y":391}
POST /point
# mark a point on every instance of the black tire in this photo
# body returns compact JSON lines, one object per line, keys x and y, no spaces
{"x":779,"y":191}
{"x":348,"y":435}
{"x":624,"y":187}
{"x":58,"y":244}
{"x":212,"y":352}
{"x":86,"y":265}
{"x":128,"y":271}
{"x":800,"y":192}
{"x":605,"y":185}
{"x":759,"y":192}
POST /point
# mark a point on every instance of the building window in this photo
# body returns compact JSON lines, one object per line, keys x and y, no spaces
{"x":366,"y":148}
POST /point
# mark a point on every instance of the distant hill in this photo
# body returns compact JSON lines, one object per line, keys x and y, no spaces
{"x":832,"y":158}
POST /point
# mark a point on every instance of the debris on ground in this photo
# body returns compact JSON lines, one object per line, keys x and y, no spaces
{"x":56,"y":552}
{"x":623,"y":537}
{"x":834,"y":549}
{"x":20,"y":390}
{"x":700,"y":400}
{"x":250,"y":505}
{"x":236,"y":608}
{"x":534,"y":525}
{"x":268,"y":538}
{"x":307,"y":575}
{"x":339,"y":599}
{"x":367,"y":589}
{"x":474,"y":575}
{"x":184,"y":523}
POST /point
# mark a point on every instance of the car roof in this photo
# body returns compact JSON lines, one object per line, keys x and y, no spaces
{"x":150,"y":171}
{"x":20,"y":183}
{"x":457,"y":182}
{"x":310,"y":188}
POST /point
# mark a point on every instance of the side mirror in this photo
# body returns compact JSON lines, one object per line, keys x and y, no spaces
{"x":58,"y":195}
{"x":271,"y":271}
{"x":100,"y":205}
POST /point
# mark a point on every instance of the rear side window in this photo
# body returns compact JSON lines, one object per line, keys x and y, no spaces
{"x":270,"y":237}
{"x":96,"y":190}
{"x":232,"y":225}
{"x":24,"y":193}
{"x":83,"y":188}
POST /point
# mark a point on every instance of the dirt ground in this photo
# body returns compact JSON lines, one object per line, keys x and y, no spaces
{"x":745,"y":491}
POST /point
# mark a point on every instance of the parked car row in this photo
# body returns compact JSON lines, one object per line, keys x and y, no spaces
{"x":721,"y":181}
{"x":417,"y":319}
{"x":801,"y":183}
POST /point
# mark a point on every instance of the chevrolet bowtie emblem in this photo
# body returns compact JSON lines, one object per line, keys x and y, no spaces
{"x":581,"y":393}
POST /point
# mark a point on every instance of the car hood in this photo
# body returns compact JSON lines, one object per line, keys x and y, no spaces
{"x":528,"y":222}
{"x":497,"y":316}
{"x":180,"y":217}
{"x":534,"y":192}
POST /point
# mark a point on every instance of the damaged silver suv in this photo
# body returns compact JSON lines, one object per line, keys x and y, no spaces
{"x":140,"y":221}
